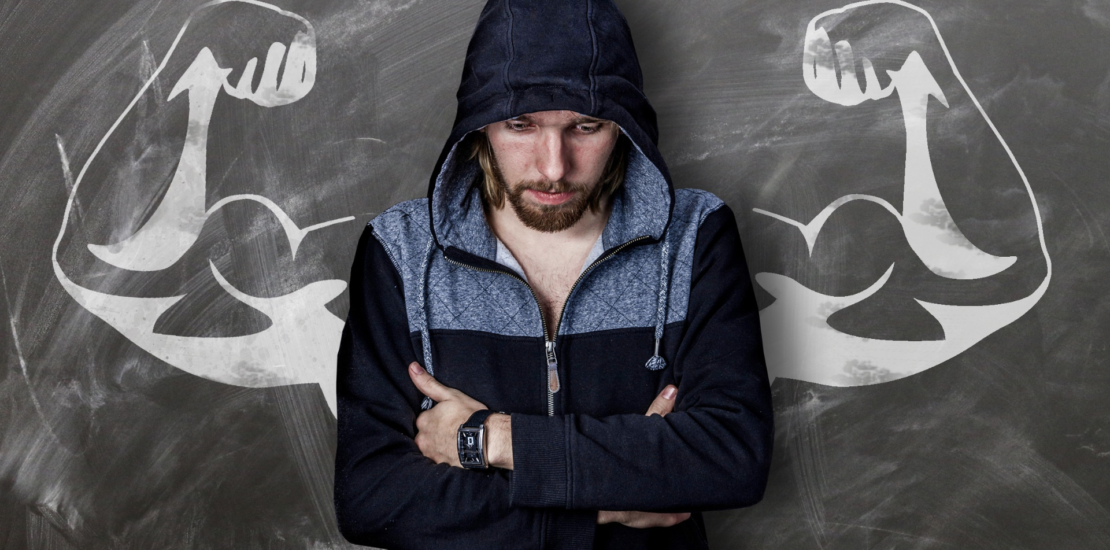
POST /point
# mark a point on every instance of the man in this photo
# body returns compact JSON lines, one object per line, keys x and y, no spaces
{"x":553,"y":275}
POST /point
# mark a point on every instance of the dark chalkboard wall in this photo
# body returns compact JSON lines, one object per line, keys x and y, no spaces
{"x":110,"y":440}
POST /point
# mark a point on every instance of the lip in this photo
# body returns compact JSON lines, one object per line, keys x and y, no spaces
{"x":550,"y":199}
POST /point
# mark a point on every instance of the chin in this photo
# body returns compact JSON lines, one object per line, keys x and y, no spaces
{"x":549,"y":219}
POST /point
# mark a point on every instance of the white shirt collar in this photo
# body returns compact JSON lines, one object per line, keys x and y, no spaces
{"x":506,"y":258}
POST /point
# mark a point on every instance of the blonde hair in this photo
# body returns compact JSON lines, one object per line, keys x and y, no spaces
{"x":494,"y":195}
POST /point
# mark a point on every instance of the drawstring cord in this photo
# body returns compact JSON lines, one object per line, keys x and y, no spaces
{"x":425,"y":334}
{"x":656,"y":362}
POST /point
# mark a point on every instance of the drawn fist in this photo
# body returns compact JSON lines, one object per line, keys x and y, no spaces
{"x":288,"y":72}
{"x":297,"y":78}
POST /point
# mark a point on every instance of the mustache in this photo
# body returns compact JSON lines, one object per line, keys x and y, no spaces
{"x":560,"y":186}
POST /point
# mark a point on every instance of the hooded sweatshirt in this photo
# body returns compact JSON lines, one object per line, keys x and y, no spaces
{"x":668,"y":300}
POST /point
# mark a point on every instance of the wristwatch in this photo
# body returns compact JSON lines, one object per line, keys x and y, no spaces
{"x":472,"y":440}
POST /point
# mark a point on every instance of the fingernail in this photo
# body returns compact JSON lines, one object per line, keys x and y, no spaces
{"x":669,"y":392}
{"x":414,"y":368}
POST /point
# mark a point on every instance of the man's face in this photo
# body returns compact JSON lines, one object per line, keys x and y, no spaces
{"x":550,"y":163}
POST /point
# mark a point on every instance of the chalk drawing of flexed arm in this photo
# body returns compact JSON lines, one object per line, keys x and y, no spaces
{"x":799,"y":341}
{"x":300,"y":344}
{"x":928,"y":226}
{"x":180,"y":216}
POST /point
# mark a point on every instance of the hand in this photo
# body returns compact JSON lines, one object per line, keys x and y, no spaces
{"x":662,"y":405}
{"x":297,"y":78}
{"x":437,"y":428}
{"x":819,"y":61}
{"x":642,"y":520}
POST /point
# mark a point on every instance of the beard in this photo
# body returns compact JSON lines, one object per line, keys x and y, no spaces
{"x":550,"y":218}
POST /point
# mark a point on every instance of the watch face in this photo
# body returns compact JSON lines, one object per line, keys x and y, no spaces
{"x":470,"y":447}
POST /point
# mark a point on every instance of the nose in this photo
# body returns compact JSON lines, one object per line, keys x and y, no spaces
{"x":552,"y":156}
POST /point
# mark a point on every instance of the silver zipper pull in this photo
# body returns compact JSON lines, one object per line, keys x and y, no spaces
{"x":552,"y":368}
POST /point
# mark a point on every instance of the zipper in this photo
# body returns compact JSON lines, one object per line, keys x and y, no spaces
{"x":553,"y":385}
{"x":552,"y":375}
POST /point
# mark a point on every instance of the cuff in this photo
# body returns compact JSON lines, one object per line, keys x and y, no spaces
{"x":570,"y":529}
{"x":539,"y":462}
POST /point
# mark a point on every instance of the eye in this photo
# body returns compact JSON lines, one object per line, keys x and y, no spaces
{"x":516,"y":125}
{"x":590,"y":128}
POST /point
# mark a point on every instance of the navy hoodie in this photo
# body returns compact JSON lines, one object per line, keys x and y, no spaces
{"x":668,"y":301}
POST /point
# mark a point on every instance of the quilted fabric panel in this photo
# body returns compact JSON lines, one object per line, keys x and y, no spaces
{"x":464,"y":298}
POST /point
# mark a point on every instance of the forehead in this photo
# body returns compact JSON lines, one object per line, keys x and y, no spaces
{"x":554,"y":118}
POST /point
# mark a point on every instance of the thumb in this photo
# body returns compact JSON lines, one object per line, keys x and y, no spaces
{"x":427,"y":384}
{"x":664,"y":402}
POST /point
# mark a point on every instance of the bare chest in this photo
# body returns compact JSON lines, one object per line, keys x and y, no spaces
{"x":552,"y":284}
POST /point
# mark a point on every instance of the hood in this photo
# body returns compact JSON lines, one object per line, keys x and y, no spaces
{"x":540,"y":55}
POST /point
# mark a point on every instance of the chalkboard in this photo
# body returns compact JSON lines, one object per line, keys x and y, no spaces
{"x":921,"y":190}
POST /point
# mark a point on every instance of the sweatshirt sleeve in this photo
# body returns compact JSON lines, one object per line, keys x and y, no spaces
{"x":386,"y":492}
{"x":712,"y":452}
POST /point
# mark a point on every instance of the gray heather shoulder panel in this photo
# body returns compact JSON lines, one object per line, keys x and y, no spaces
{"x":618,"y":293}
{"x":622,"y":292}
{"x":403,"y":231}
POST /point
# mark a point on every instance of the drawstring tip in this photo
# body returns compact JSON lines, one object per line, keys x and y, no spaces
{"x":656,"y":362}
{"x":427,"y":404}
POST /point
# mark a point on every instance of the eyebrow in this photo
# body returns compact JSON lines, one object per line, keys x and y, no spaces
{"x":582,"y":119}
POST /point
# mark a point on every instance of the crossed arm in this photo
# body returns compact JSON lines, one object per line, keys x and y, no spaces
{"x":437,"y":427}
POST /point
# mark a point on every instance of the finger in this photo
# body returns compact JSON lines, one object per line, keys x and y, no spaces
{"x":644,"y":520}
{"x":848,"y":81}
{"x":664,"y":402}
{"x":270,"y":70}
{"x":819,"y":48}
{"x":871,"y":85}
{"x":427,"y":384}
{"x":244,"y":85}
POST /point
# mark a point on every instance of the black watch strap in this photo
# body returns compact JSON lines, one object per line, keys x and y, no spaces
{"x":477,"y":419}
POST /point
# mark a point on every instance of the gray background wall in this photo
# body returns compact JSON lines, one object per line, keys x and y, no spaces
{"x":1005,"y":446}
